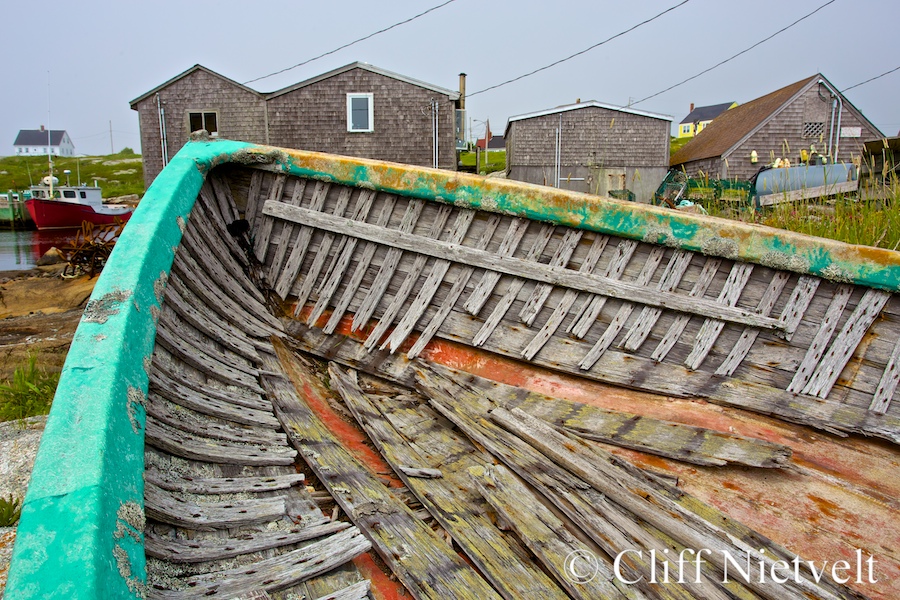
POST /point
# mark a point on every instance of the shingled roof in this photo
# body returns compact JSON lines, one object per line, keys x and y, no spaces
{"x":733,"y":125}
{"x":38,"y":137}
{"x":706,"y":113}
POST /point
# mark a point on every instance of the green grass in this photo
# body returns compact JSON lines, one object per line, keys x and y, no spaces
{"x":497,"y":161}
{"x":29,"y":393}
{"x":675,"y":143}
{"x":117,"y":174}
{"x":868,"y":222}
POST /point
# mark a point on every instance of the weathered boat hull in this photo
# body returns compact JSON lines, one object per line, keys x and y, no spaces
{"x":497,"y":307}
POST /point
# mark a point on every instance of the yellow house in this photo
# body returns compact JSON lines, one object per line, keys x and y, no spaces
{"x":700,"y":117}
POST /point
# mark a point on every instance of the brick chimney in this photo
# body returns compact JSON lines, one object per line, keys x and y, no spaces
{"x":42,"y":128}
{"x":692,"y":108}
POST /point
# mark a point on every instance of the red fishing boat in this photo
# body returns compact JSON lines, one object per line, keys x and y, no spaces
{"x":67,"y":207}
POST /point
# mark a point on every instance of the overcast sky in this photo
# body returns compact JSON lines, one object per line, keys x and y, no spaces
{"x":77,"y":65}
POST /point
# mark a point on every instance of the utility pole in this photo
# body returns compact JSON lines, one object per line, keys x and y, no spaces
{"x":111,"y":150}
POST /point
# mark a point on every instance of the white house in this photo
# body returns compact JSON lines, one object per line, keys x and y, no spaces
{"x":32,"y":142}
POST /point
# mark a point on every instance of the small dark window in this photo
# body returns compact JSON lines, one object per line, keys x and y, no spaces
{"x":68,"y":193}
{"x":196,"y":121}
{"x":82,"y":194}
{"x":204,"y":120}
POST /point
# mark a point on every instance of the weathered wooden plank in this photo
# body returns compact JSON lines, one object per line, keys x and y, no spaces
{"x":227,"y":209}
{"x":222,"y":485}
{"x":163,"y":375}
{"x":711,"y":328}
{"x":823,"y":336}
{"x":411,"y":215}
{"x":341,"y":259}
{"x":649,"y":505}
{"x":300,"y":245}
{"x":222,"y":367}
{"x":192,"y":422}
{"x":362,"y":267}
{"x":686,"y":443}
{"x":420,"y":559}
{"x":462,"y":279}
{"x":357,"y":591}
{"x":799,"y":301}
{"x":178,"y":300}
{"x":361,"y":209}
{"x":567,"y":301}
{"x":748,"y":336}
{"x":641,"y":373}
{"x":176,"y":550}
{"x":845,"y":343}
{"x":180,"y":394}
{"x":276,"y":573}
{"x":622,"y":315}
{"x":222,"y":245}
{"x":556,"y":276}
{"x":515,"y":286}
{"x":678,"y":264}
{"x":590,"y":310}
{"x":613,"y":528}
{"x":262,"y":226}
{"x":311,"y":276}
{"x":710,"y":267}
{"x":252,"y":323}
{"x":284,"y":237}
{"x":511,"y":575}
{"x":195,"y":447}
{"x":174,"y":509}
{"x":426,"y":293}
{"x":206,"y":209}
{"x":412,"y":276}
{"x":252,"y":211}
{"x":545,"y":534}
{"x":485,"y":287}
{"x":881,"y":401}
{"x":560,"y":258}
{"x":197,"y":256}
{"x":180,"y":339}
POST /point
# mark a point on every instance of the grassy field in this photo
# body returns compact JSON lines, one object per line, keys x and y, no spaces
{"x":117,"y":174}
{"x":497,"y":160}
{"x":874,"y":222}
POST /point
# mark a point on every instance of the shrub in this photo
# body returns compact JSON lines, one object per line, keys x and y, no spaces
{"x":10,"y":511}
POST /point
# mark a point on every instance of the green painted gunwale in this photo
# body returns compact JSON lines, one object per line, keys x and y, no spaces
{"x":80,"y":535}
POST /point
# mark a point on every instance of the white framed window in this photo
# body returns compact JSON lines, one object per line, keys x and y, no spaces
{"x":685,"y":129}
{"x":360,"y":113}
{"x":204,"y":119}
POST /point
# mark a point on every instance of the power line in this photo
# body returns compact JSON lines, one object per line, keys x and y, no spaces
{"x":347,"y":45}
{"x":562,"y":60}
{"x":782,"y":30}
{"x":872,"y":79}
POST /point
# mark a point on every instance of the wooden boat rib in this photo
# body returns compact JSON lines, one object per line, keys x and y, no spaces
{"x":494,"y":342}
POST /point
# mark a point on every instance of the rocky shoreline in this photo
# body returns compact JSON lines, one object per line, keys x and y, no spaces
{"x":39,"y":312}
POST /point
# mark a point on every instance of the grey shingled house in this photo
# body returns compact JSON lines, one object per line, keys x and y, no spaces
{"x":590,"y":147}
{"x":356,"y":110}
{"x":787,"y":124}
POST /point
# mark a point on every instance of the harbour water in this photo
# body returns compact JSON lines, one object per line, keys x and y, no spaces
{"x":21,"y":249}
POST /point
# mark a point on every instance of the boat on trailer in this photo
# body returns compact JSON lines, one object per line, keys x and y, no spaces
{"x":304,"y":375}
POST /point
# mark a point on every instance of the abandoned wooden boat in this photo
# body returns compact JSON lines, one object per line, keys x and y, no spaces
{"x":303,"y":375}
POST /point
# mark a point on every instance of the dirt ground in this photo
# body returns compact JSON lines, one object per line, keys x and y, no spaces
{"x":39,"y":312}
